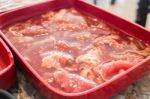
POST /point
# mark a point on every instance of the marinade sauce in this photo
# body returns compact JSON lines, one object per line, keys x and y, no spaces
{"x":74,"y":52}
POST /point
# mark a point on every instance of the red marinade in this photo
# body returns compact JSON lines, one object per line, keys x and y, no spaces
{"x":74,"y":52}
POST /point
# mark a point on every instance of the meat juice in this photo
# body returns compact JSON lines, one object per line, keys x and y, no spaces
{"x":74,"y":52}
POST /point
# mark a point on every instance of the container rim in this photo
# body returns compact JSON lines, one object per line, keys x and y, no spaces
{"x":10,"y":56}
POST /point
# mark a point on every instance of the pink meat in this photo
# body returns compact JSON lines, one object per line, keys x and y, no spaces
{"x":111,"y":69}
{"x":72,"y":82}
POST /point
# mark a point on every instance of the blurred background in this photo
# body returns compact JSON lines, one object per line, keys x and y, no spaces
{"x":123,"y":8}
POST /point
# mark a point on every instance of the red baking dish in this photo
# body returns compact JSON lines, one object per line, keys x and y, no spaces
{"x":7,"y":69}
{"x":103,"y":91}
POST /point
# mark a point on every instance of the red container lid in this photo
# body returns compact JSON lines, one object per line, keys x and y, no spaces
{"x":7,"y":69}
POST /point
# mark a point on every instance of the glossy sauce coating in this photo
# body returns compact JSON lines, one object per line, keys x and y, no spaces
{"x":74,"y":52}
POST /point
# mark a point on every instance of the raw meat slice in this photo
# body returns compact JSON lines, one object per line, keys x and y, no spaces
{"x":72,"y":82}
{"x":56,"y":59}
{"x":90,"y":59}
{"x":34,"y":30}
{"x":111,"y":69}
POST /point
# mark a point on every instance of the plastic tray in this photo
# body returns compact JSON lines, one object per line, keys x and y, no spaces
{"x":8,"y":73}
{"x":102,"y":91}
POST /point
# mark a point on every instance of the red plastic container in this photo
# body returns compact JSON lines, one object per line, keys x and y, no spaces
{"x":103,"y":91}
{"x":7,"y":71}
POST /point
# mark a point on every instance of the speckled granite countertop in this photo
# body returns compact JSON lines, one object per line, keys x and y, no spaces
{"x":139,"y":90}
